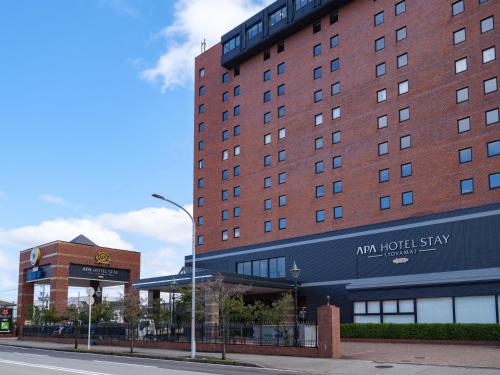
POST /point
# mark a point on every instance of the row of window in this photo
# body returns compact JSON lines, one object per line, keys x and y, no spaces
{"x":467,"y":185}
{"x":489,"y":86}
{"x":272,"y":268}
{"x":399,"y":8}
{"x":338,"y":213}
{"x":401,"y":61}
{"x":458,"y":7}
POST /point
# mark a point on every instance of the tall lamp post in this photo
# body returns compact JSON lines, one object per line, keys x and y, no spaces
{"x":193,"y":271}
{"x":295,"y":272}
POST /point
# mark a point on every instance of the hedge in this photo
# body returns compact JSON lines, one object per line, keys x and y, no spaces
{"x":479,"y":332}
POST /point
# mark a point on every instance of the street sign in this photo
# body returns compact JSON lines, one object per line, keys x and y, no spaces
{"x":91,"y":300}
{"x":90,"y":291}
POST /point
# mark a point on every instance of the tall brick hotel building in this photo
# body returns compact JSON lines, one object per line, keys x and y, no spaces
{"x":360,"y":139}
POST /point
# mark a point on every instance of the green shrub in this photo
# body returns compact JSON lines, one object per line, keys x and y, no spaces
{"x":483,"y":332}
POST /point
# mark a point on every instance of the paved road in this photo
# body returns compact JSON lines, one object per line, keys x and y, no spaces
{"x":23,"y":361}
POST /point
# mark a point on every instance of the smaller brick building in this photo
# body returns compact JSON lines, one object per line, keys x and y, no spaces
{"x":79,"y":263}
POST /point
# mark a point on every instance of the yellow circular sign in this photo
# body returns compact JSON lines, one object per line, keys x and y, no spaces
{"x":35,"y":256}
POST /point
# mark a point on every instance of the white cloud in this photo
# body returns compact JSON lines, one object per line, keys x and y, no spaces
{"x":161,"y":262}
{"x":52,"y":199}
{"x":3,"y":196}
{"x":195,"y":21}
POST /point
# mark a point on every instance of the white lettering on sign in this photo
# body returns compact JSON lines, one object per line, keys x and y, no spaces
{"x":404,"y":247}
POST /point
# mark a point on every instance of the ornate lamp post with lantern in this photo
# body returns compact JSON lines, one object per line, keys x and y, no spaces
{"x":295,"y":272}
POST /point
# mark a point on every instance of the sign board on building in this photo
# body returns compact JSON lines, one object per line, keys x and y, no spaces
{"x":6,"y":315}
{"x":98,"y":273}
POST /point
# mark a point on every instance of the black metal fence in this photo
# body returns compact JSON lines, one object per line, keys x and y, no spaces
{"x":305,"y":335}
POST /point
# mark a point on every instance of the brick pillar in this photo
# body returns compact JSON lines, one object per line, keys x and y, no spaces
{"x":328,"y":332}
{"x":59,"y":294}
{"x":24,"y":299}
{"x":211,"y":312}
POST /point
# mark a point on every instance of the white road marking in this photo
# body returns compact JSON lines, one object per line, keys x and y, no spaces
{"x":45,"y":367}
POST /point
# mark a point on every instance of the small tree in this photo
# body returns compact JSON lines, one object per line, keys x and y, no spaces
{"x":224,"y":295}
{"x":50,"y":315}
{"x":130,"y":308}
{"x":74,"y":317}
{"x":103,"y":312}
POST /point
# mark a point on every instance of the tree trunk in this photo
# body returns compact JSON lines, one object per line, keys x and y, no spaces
{"x":77,"y":331}
{"x":131,"y":339}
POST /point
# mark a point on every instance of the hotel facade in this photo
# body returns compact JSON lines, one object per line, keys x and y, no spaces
{"x":361,"y":140}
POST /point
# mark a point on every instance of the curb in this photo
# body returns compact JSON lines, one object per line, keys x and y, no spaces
{"x":210,"y":360}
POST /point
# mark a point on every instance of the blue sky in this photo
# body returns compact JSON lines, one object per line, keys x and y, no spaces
{"x":96,"y":103}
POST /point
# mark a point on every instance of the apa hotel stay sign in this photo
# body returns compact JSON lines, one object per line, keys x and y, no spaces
{"x":401,"y":249}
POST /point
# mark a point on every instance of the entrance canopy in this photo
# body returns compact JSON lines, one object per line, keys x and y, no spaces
{"x":255,"y":285}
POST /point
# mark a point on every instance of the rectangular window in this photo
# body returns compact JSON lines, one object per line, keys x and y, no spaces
{"x":267,"y":54}
{"x":334,"y":41}
{"x":201,"y":164}
{"x":320,"y":191}
{"x":318,"y":96}
{"x":463,"y":125}
{"x":225,"y":174}
{"x":267,"y":160}
{"x":236,"y":131}
{"x":490,"y":85}
{"x":282,"y":200}
{"x":224,"y":195}
{"x":467,"y":186}
{"x":320,"y":216}
{"x":317,"y":73}
{"x":318,"y":143}
{"x":225,"y":135}
{"x":199,"y":240}
{"x":383,"y":175}
{"x":494,"y":180}
{"x":336,"y":137}
{"x":400,"y":8}
{"x":225,"y":96}
{"x":236,"y":110}
{"x":199,"y":221}
{"x":385,"y":203}
{"x":337,"y":187}
{"x":267,"y":226}
{"x":201,"y":201}
{"x":404,"y":114}
{"x":317,"y":50}
{"x":281,"y":46}
{"x":232,"y":44}
{"x":335,"y":88}
{"x":236,"y":91}
{"x":487,"y":24}
{"x":405,"y":142}
{"x":407,"y":198}
{"x":380,"y":70}
{"x":318,"y":119}
{"x":201,"y":72}
{"x":383,"y":148}
{"x":335,"y":65}
{"x":201,"y":108}
{"x":465,"y":155}
{"x":201,"y":127}
{"x":267,"y":75}
{"x":462,"y":95}
{"x":401,"y":34}
{"x":489,"y":54}
{"x":225,"y":77}
{"x":281,"y":111}
{"x":492,"y":116}
{"x":282,"y":178}
{"x":459,"y":36}
{"x":225,"y":116}
{"x":267,"y":96}
{"x":236,"y":150}
{"x":337,"y":161}
{"x":236,"y":171}
{"x":402,"y":60}
{"x":282,"y":223}
{"x":319,"y":167}
{"x":267,"y":117}
{"x":281,"y":155}
{"x":403,"y":87}
{"x":493,"y":148}
{"x":236,"y":232}
{"x":254,"y":30}
{"x":461,"y":65}
{"x":378,"y":18}
{"x":299,"y":4}
{"x":338,"y":212}
{"x":335,"y":113}
{"x":277,"y":16}
{"x":334,"y":17}
{"x":382,"y":122}
{"x":281,"y":68}
{"x":236,"y":212}
{"x":268,"y":204}
{"x":281,"y":133}
{"x":201,"y":91}
{"x":379,"y":44}
{"x":225,"y":215}
{"x":457,"y":7}
{"x":281,"y":90}
{"x":381,"y":95}
{"x":316,"y":27}
{"x":267,"y":139}
{"x":406,"y":170}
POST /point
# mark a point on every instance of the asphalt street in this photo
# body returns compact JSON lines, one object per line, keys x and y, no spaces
{"x":24,"y":361}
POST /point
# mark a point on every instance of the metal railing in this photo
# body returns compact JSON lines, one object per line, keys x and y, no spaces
{"x":235,"y":333}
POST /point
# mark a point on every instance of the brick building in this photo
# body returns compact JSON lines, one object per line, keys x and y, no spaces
{"x":362,"y":140}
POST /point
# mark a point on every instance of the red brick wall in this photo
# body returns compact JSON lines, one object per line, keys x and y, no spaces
{"x":433,"y":123}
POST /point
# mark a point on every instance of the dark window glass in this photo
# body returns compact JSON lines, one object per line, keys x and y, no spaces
{"x":236,"y":110}
{"x":201,"y":108}
{"x":201,"y":145}
{"x":267,"y":160}
{"x":317,"y":72}
{"x":316,"y":27}
{"x":267,"y":96}
{"x":232,"y":44}
{"x":236,"y":91}
{"x":334,"y":17}
{"x":200,"y":221}
{"x":281,"y":68}
{"x":277,"y":16}
{"x":201,"y":91}
{"x":225,"y":135}
{"x":267,"y":54}
{"x":201,"y":127}
{"x":225,"y":77}
{"x":225,"y":195}
{"x":201,"y":202}
{"x":281,"y":46}
{"x":225,"y":96}
{"x":282,"y":178}
{"x":281,"y":90}
{"x":335,"y":65}
{"x":254,"y":30}
{"x":225,"y":116}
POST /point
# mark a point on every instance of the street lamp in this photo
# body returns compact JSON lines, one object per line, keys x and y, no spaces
{"x":295,"y":272}
{"x":193,"y":271}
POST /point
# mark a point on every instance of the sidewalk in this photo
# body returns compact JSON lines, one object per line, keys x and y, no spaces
{"x":358,"y":358}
